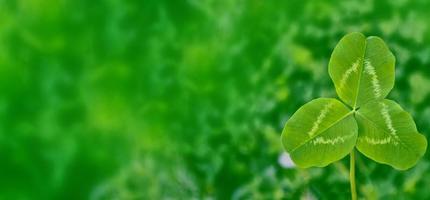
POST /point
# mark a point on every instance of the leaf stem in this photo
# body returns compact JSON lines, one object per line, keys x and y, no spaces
{"x":352,"y":175}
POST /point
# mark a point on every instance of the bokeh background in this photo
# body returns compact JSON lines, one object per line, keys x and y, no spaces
{"x":186,"y":99}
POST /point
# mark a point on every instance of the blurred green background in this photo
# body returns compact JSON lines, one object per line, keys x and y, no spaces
{"x":186,"y":99}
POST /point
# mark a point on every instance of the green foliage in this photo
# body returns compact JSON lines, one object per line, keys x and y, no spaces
{"x":164,"y":99}
{"x":324,"y":130}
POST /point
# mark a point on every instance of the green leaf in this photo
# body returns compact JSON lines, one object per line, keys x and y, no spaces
{"x":387,"y":134}
{"x":324,"y":130}
{"x":319,"y":133}
{"x":362,"y":69}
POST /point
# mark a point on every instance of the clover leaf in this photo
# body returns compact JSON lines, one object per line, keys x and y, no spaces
{"x":326,"y":130}
{"x":320,"y":132}
{"x":362,"y":69}
{"x":387,"y":134}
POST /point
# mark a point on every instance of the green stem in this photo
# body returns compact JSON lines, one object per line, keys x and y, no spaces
{"x":352,"y":175}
